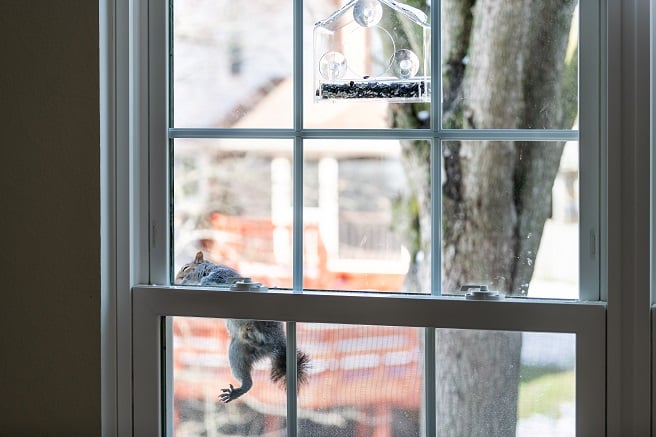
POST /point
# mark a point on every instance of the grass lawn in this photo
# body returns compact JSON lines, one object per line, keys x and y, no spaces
{"x":544,"y":393}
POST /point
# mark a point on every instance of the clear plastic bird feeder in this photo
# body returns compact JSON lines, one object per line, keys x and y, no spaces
{"x":373,"y":49}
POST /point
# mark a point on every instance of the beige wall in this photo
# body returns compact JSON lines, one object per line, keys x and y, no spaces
{"x":49,"y":218}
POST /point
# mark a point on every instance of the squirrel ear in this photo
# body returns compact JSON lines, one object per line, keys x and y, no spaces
{"x":199,"y":258}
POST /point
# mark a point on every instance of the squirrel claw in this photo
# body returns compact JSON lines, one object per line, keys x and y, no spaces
{"x":226,"y":395}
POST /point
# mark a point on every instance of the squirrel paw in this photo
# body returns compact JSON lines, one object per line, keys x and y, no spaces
{"x":228,"y":394}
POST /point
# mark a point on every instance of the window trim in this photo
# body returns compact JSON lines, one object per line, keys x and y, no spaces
{"x":126,"y":228}
{"x":626,"y":261}
{"x":652,"y":205}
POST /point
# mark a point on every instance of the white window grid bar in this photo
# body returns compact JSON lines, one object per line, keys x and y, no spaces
{"x":297,"y":219}
{"x":152,"y":305}
{"x":427,"y":416}
{"x":438,"y":134}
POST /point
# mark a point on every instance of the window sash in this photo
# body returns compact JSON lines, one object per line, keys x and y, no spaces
{"x":591,"y":103}
{"x":151,"y":304}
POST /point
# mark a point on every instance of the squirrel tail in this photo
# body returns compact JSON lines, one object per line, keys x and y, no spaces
{"x":279,"y":368}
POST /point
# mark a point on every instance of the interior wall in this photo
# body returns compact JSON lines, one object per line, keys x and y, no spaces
{"x":49,"y":218}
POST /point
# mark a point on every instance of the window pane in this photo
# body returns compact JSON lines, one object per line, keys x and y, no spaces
{"x":360,"y":57}
{"x":201,"y":369}
{"x":505,"y":383}
{"x":360,"y":222}
{"x":232,"y":63}
{"x":510,"y":64}
{"x":368,"y":380}
{"x":510,"y":217}
{"x":232,"y":201}
{"x":364,"y":380}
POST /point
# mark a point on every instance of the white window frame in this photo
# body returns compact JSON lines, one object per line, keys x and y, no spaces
{"x":613,"y":329}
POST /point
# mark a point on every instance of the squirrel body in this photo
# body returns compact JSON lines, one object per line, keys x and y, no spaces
{"x":203,"y":272}
{"x":250,"y":340}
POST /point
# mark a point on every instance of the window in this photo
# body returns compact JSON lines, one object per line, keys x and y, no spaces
{"x":329,"y":216}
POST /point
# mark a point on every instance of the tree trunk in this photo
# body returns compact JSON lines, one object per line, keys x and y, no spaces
{"x":504,"y":67}
{"x":477,"y":379}
{"x":496,"y":194}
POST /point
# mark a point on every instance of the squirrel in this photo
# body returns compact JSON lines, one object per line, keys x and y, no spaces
{"x":199,"y":271}
{"x":250,"y":340}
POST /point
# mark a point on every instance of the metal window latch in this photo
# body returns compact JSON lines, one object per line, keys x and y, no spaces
{"x":246,"y":284}
{"x":480,"y":292}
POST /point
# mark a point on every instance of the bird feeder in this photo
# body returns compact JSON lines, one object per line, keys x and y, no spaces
{"x":373,"y":49}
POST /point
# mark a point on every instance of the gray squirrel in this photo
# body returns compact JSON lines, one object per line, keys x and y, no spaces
{"x":201,"y":272}
{"x":250,"y":340}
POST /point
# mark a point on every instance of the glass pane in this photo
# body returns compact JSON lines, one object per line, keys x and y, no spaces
{"x":510,"y":217}
{"x":509,"y":64}
{"x":361,"y":224}
{"x":232,"y":202}
{"x":493,"y":383}
{"x":201,"y":371}
{"x":232,"y":64}
{"x":359,"y":380}
{"x":366,"y":64}
{"x":368,"y":380}
{"x":364,"y":380}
